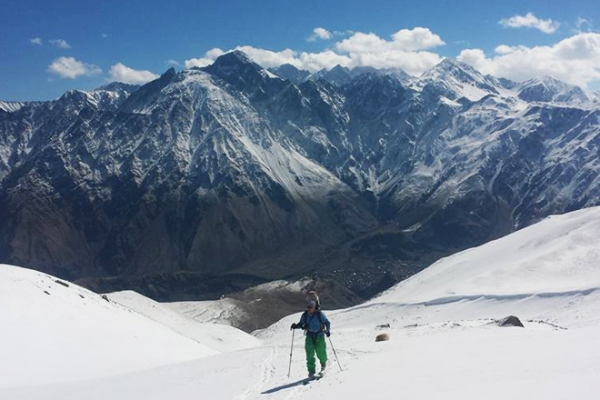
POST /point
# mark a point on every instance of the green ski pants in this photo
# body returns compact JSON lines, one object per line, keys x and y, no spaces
{"x":315,"y":344}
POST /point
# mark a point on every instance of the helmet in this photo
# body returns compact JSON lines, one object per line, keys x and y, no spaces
{"x":313,"y":296}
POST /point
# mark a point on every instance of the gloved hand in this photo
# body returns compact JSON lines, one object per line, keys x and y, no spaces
{"x":327,"y":333}
{"x":294,"y":326}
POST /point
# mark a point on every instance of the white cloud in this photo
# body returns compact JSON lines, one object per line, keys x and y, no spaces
{"x":405,"y":50}
{"x":530,"y":21}
{"x":268,"y":58}
{"x":416,"y":39}
{"x":323,"y":60}
{"x":214,"y":53}
{"x":575,"y":60}
{"x":122,"y":73}
{"x":197,"y":62}
{"x":103,"y":35}
{"x":583,"y":25}
{"x":362,"y":43}
{"x":405,"y":40}
{"x":173,"y":63}
{"x":477,"y":59}
{"x":504,"y":49}
{"x":208,"y":59}
{"x":319,"y":33}
{"x":60,"y":43}
{"x":68,"y":67}
{"x":36,"y":41}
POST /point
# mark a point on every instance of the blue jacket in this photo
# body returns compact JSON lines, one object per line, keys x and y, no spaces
{"x":315,"y":323}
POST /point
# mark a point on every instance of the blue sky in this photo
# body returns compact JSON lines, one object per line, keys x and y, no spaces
{"x":52,"y":46}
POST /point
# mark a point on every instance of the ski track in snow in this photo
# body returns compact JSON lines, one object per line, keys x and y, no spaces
{"x":267,"y":370}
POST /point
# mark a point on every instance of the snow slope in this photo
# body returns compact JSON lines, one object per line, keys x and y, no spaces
{"x":53,"y":331}
{"x":219,"y":337}
{"x":444,"y":342}
{"x":559,"y":255}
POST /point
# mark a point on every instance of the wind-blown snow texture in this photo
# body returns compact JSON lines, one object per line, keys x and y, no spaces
{"x":444,"y":342}
{"x":230,"y":168}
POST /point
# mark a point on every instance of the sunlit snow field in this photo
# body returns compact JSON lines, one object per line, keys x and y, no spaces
{"x":59,"y":341}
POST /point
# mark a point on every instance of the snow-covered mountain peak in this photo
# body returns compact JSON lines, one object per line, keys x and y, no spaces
{"x":144,"y":99}
{"x":548,"y":89}
{"x":454,"y":79}
{"x":449,"y":68}
{"x":169,"y":74}
{"x":75,"y":94}
{"x":288,"y":67}
{"x":337,"y":75}
{"x":232,"y":65}
{"x":96,"y":99}
{"x":397,"y":72}
{"x":11,"y":106}
{"x":119,"y":87}
{"x":376,"y":82}
{"x":235,"y":56}
{"x":246,"y":76}
{"x":291,"y":73}
{"x":339,"y":69}
{"x":547,"y":82}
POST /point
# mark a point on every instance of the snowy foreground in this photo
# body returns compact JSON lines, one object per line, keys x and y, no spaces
{"x":59,"y":341}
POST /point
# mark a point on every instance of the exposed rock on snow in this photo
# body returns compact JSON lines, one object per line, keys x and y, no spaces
{"x":510,"y":321}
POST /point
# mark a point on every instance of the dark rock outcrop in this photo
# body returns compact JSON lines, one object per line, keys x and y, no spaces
{"x":510,"y":321}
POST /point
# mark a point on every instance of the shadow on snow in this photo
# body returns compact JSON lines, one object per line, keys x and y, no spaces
{"x":286,"y":386}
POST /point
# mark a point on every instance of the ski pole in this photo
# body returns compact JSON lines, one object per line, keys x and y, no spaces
{"x":336,"y":357}
{"x":291,"y":351}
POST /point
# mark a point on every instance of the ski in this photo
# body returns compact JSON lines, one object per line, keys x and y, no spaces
{"x":314,"y":378}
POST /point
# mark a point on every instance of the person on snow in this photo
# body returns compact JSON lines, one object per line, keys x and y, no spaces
{"x":316,"y":325}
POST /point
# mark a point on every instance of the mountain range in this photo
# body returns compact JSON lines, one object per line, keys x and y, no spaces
{"x":213,"y":179}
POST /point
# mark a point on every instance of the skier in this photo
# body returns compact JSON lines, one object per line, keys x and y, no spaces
{"x":316,"y":325}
